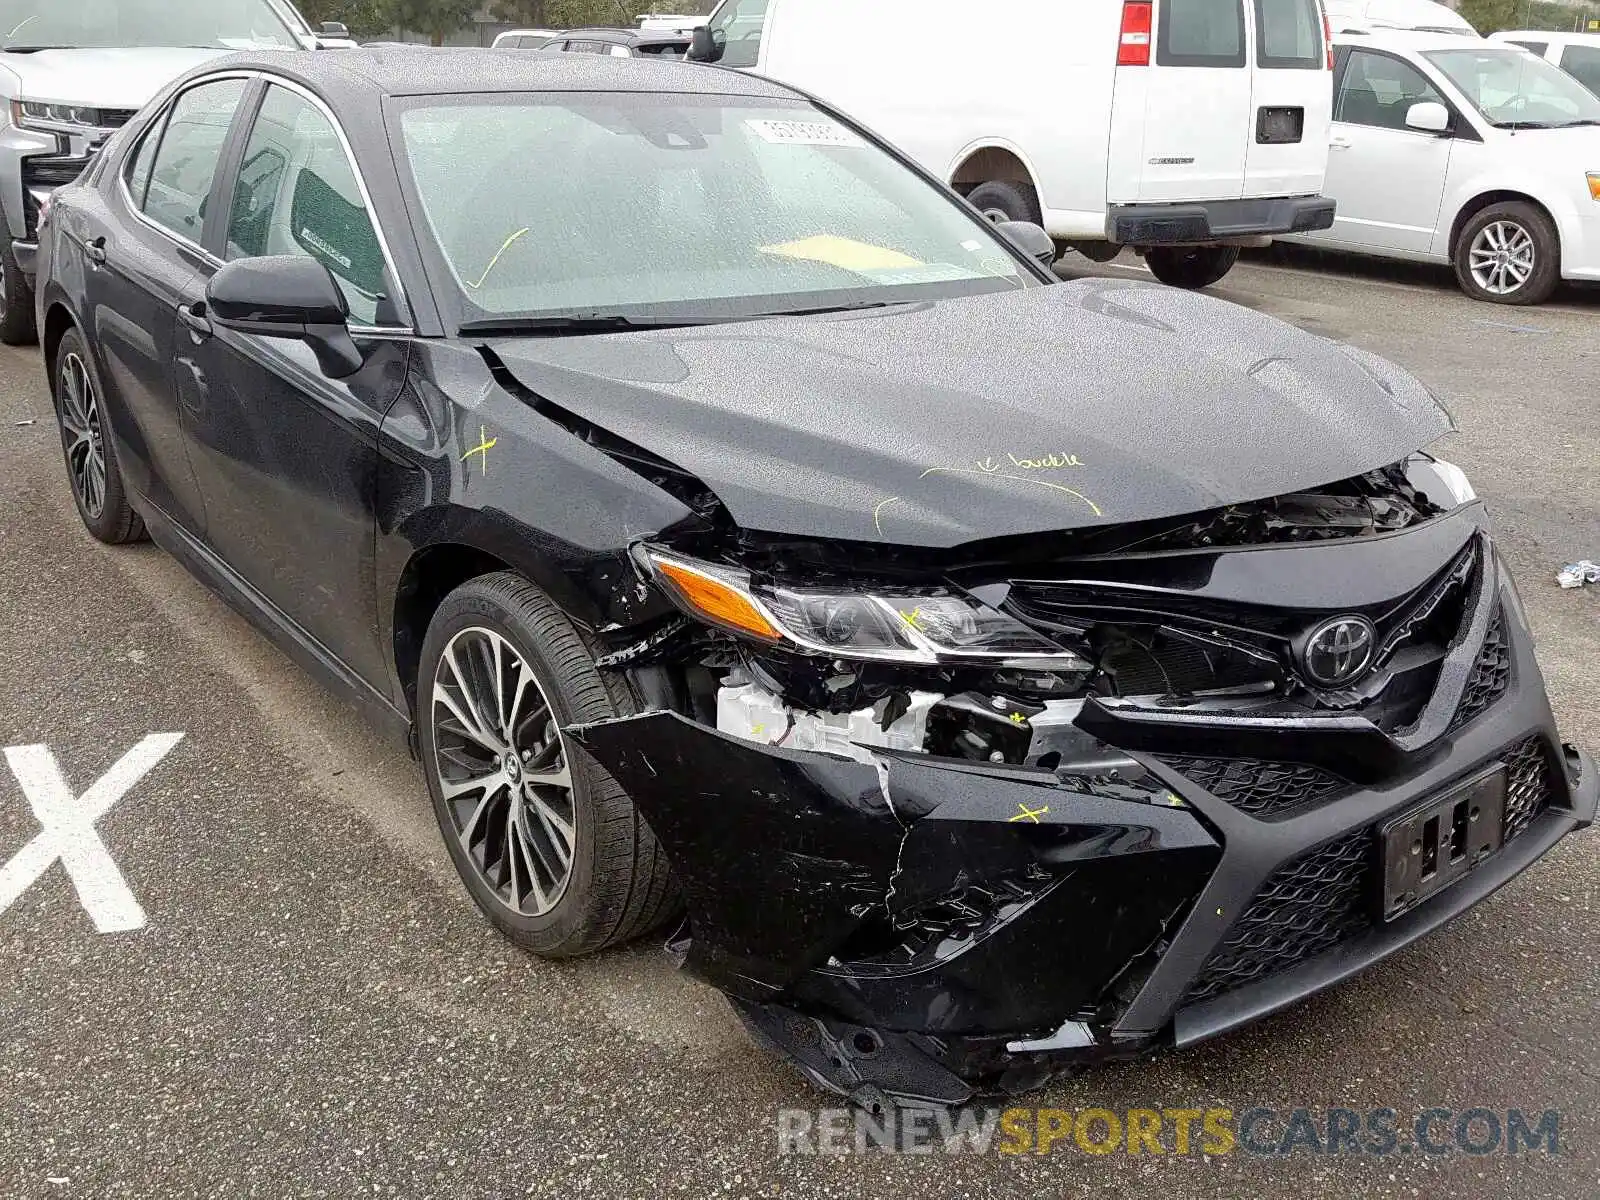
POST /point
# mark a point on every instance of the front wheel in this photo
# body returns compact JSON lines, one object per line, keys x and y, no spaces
{"x":1509,"y":254}
{"x":17,"y":324}
{"x":549,"y":846}
{"x":1191,"y":266}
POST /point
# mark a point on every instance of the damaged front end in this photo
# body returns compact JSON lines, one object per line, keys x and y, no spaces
{"x":947,"y":823}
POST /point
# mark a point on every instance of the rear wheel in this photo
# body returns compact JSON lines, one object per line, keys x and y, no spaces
{"x":1191,"y":266}
{"x":1002,"y":200}
{"x":1509,"y":254}
{"x":549,"y":846}
{"x":91,"y":457}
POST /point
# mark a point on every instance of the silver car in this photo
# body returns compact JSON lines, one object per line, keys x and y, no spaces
{"x":74,"y":71}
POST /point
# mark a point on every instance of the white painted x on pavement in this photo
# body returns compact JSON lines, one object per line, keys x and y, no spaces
{"x":67,"y":831}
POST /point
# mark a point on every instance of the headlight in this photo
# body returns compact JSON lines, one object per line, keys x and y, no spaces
{"x":1453,"y":478}
{"x":934,"y":627}
{"x":56,"y":118}
{"x":1594,"y":185}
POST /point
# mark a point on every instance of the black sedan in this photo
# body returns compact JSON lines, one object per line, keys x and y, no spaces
{"x":998,"y":674}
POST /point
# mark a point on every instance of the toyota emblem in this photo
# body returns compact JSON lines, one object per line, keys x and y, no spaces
{"x":1339,"y":652}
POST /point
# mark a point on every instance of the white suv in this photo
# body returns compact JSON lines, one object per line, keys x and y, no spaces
{"x":74,"y":71}
{"x":1466,"y":151}
{"x":1181,"y":128}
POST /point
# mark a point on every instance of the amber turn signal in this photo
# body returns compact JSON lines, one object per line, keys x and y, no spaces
{"x":716,"y":601}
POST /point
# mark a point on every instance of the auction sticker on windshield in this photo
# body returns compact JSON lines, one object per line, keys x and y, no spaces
{"x":803,"y":133}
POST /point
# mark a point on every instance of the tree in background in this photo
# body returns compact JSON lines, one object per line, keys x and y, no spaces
{"x":1491,"y":16}
{"x":574,"y":14}
{"x":365,"y":18}
{"x":436,"y":18}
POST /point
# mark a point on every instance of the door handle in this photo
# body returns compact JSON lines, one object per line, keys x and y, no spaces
{"x":95,"y":250}
{"x":1338,"y":143}
{"x":195,"y":319}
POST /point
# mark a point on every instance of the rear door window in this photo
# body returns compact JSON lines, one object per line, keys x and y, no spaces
{"x":1201,"y":33}
{"x":1583,"y":64}
{"x":184,"y":166}
{"x":1289,"y":35}
{"x":1379,"y":91}
{"x":1537,"y":47}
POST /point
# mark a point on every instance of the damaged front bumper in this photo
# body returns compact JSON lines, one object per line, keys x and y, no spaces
{"x":913,"y":929}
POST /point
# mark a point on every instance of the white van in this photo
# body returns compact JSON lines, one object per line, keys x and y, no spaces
{"x":1182,"y":128}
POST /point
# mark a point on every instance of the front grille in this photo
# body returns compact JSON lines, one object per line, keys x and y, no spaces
{"x":52,"y":170}
{"x":1529,"y":788}
{"x":1322,"y":898}
{"x":1306,"y":907}
{"x":1490,"y":677}
{"x":1270,"y":790}
{"x":116,"y":118}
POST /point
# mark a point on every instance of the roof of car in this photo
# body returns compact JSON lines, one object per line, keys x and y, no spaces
{"x":1415,"y":39}
{"x":632,"y":37}
{"x":1547,"y":35}
{"x":362,"y":73}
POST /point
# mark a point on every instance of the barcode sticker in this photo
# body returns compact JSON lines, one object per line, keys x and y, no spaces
{"x":804,"y":133}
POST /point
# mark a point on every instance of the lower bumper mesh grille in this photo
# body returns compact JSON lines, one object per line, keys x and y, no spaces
{"x":1321,"y":899}
{"x":1268,"y":790}
{"x":1490,"y":677}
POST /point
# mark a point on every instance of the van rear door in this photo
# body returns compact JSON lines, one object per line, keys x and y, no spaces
{"x":1292,"y":100}
{"x":1182,"y":119}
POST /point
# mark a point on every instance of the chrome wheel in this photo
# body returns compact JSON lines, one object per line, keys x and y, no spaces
{"x":503,"y":771}
{"x":1502,"y":257}
{"x":83,"y":435}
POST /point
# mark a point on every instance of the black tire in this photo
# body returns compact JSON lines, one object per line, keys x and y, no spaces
{"x":1190,"y":266}
{"x":1533,"y":229}
{"x":86,"y":435}
{"x":17,"y":324}
{"x":1002,"y":200}
{"x":619,"y":885}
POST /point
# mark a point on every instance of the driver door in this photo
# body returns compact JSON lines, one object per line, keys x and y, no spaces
{"x":285,"y":457}
{"x":1388,"y":180}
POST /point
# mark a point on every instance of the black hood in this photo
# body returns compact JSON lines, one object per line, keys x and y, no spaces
{"x":1091,"y":403}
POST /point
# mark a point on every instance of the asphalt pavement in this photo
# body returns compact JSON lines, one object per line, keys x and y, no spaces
{"x":293,"y":997}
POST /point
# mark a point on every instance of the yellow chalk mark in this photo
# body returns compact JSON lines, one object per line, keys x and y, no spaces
{"x":495,"y":261}
{"x":877,"y":513}
{"x":485,"y":444}
{"x":1029,"y":814}
{"x":911,"y":618}
{"x":1044,"y":483}
{"x":845,"y":253}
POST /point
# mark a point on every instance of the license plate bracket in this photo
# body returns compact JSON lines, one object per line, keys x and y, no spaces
{"x":1427,"y":849}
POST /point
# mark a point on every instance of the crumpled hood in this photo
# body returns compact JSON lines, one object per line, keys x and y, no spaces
{"x":102,"y":78}
{"x":1062,"y":407}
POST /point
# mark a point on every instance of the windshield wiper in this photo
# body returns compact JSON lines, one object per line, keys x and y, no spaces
{"x":579,"y":323}
{"x":33,"y":49}
{"x":832,"y":308}
{"x":1578,"y":122}
{"x":1522,"y":125}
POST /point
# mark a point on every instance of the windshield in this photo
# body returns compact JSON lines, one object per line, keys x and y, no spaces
{"x":1515,"y":90}
{"x":708,"y":207}
{"x":73,"y":24}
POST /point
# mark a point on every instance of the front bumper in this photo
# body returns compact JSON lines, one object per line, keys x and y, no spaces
{"x":926,"y":930}
{"x":1216,"y":220}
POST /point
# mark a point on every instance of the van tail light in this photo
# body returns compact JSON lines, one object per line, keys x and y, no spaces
{"x":1327,"y":37}
{"x":1134,"y":48}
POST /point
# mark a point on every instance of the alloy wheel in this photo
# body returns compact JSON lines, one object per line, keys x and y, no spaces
{"x":83,"y":436}
{"x":1502,"y":257}
{"x":504,"y":771}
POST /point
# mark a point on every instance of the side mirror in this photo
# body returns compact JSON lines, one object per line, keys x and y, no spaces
{"x":704,"y":46}
{"x":334,"y":29}
{"x":287,"y":296}
{"x":1428,"y":116}
{"x":1030,"y":239}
